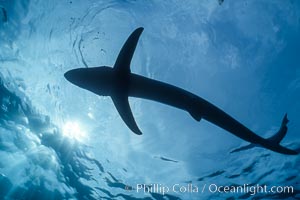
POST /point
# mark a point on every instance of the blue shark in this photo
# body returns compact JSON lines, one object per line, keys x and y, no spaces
{"x":119,"y":83}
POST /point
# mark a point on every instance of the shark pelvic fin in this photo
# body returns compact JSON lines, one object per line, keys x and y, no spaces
{"x":123,"y":61}
{"x":123,"y":107}
{"x":195,"y":115}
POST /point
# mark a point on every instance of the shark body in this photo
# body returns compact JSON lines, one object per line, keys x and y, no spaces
{"x":119,"y":83}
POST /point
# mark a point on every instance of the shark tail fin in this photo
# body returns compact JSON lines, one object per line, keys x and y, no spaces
{"x":274,"y":141}
{"x":279,"y":135}
{"x":243,"y":148}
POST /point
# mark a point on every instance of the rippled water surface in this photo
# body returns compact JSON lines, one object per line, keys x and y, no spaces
{"x":58,"y":141}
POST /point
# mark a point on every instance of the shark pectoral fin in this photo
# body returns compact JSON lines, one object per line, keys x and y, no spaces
{"x":123,"y":107}
{"x":124,"y":58}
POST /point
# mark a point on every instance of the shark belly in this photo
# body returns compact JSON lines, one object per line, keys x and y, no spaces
{"x":142,"y":87}
{"x":145,"y":88}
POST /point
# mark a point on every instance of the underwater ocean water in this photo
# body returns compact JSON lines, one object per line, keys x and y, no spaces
{"x":58,"y":141}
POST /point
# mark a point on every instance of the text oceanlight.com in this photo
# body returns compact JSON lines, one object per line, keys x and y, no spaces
{"x":212,"y":188}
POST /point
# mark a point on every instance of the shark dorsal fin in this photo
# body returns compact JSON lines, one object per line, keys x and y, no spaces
{"x":123,"y":107}
{"x":124,"y":58}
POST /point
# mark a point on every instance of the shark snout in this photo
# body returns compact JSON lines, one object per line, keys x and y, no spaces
{"x":74,"y":76}
{"x":68,"y":75}
{"x":80,"y":77}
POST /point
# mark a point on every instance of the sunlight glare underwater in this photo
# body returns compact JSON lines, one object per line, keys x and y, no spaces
{"x":73,"y":130}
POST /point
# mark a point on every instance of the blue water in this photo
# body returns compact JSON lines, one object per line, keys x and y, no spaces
{"x":58,"y":141}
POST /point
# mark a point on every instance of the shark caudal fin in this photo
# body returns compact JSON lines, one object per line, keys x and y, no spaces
{"x":244,"y":148}
{"x":122,"y":72}
{"x":273,"y":142}
{"x":277,"y":137}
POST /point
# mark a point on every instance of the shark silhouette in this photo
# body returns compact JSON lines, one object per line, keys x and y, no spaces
{"x":119,"y":83}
